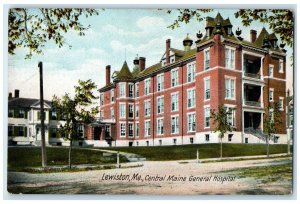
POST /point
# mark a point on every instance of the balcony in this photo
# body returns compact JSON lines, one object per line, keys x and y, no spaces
{"x":252,"y":67}
{"x":251,"y":75}
{"x":252,"y":96}
{"x":252,"y":103}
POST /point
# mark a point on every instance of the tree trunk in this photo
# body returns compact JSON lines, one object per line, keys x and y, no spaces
{"x":70,"y":158}
{"x":221,"y":147}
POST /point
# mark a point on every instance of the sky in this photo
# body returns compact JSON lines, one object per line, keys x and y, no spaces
{"x":115,"y":35}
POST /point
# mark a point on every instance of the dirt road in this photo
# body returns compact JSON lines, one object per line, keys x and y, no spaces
{"x":155,"y":178}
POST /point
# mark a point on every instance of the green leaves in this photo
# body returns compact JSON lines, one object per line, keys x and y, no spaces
{"x":33,"y":28}
{"x":220,"y":120}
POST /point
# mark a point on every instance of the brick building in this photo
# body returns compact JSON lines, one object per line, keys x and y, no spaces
{"x":169,"y":103}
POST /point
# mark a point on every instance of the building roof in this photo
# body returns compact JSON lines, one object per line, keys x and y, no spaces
{"x":218,"y":24}
{"x":24,"y":102}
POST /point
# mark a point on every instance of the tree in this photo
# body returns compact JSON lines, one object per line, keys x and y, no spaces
{"x":220,"y":119}
{"x":272,"y":119}
{"x":32,"y":28}
{"x":74,"y":111}
{"x":280,"y":21}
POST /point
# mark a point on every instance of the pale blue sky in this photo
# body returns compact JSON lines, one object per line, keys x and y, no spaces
{"x":113,"y":31}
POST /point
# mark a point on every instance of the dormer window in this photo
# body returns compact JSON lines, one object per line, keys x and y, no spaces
{"x":229,"y":31}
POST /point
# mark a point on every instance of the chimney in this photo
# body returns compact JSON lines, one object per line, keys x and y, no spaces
{"x":107,"y":74}
{"x":10,"y":95}
{"x":253,"y":35}
{"x":168,"y":46}
{"x":142,"y":63}
{"x":17,"y":93}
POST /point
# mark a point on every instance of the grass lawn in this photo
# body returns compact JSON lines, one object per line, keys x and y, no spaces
{"x":22,"y":157}
{"x":183,"y":152}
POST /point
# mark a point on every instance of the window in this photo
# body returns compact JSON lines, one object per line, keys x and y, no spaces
{"x":147,"y":108}
{"x":207,"y":89}
{"x":191,"y":140}
{"x":147,"y":143}
{"x":112,"y":95}
{"x":229,"y":85}
{"x":80,"y":131}
{"x":160,"y":126}
{"x":137,"y":90}
{"x":137,"y":129}
{"x":174,"y":101}
{"x":174,"y":77}
{"x":112,"y":113}
{"x":160,"y":142}
{"x":53,"y":132}
{"x":10,"y":130}
{"x":229,"y":58}
{"x":21,"y":131}
{"x":246,"y":140}
{"x":160,"y":82}
{"x":191,"y":70}
{"x":147,"y":86}
{"x":21,"y":113}
{"x":206,"y":59}
{"x":281,"y":103}
{"x":174,"y":125}
{"x":122,"y":110}
{"x":130,"y":129}
{"x":130,"y":110}
{"x":271,"y":70}
{"x":206,"y":117}
{"x":280,"y":68}
{"x":10,"y":113}
{"x":160,"y":104}
{"x":271,"y":95}
{"x":191,"y":122}
{"x":130,"y":90}
{"x":137,"y":107}
{"x":123,"y":129}
{"x":147,"y":128}
{"x":207,"y":137}
{"x":174,"y":141}
{"x":101,"y":99}
{"x":122,"y":90}
{"x":39,"y":115}
{"x":191,"y":98}
{"x":230,"y":137}
{"x":271,"y":115}
{"x":53,"y":115}
{"x":107,"y":131}
{"x":230,"y":115}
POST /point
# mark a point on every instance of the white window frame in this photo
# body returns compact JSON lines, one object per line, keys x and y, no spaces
{"x":176,"y":101}
{"x":231,"y":89}
{"x":207,"y":50}
{"x":175,"y":76}
{"x":191,"y":96}
{"x":191,"y":72}
{"x":207,"y":89}
{"x":227,"y":108}
{"x":281,"y":105}
{"x":280,"y":66}
{"x":160,"y":104}
{"x":231,"y":63}
{"x":205,"y":116}
{"x":132,"y":107}
{"x":190,"y":124}
{"x":147,"y":105}
{"x":121,"y":113}
{"x":102,"y":99}
{"x":132,"y":125}
{"x":122,"y":87}
{"x":176,"y":124}
{"x":271,"y":96}
{"x":137,"y":90}
{"x":147,"y":130}
{"x":131,"y":86}
{"x":137,"y":111}
{"x":137,"y":129}
{"x":160,"y":82}
{"x":147,"y":83}
{"x":112,"y":113}
{"x":124,"y":125}
{"x":160,"y":126}
{"x":271,"y":67}
{"x":112,"y":95}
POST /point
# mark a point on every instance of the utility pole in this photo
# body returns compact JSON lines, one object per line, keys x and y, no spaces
{"x":44,"y":156}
